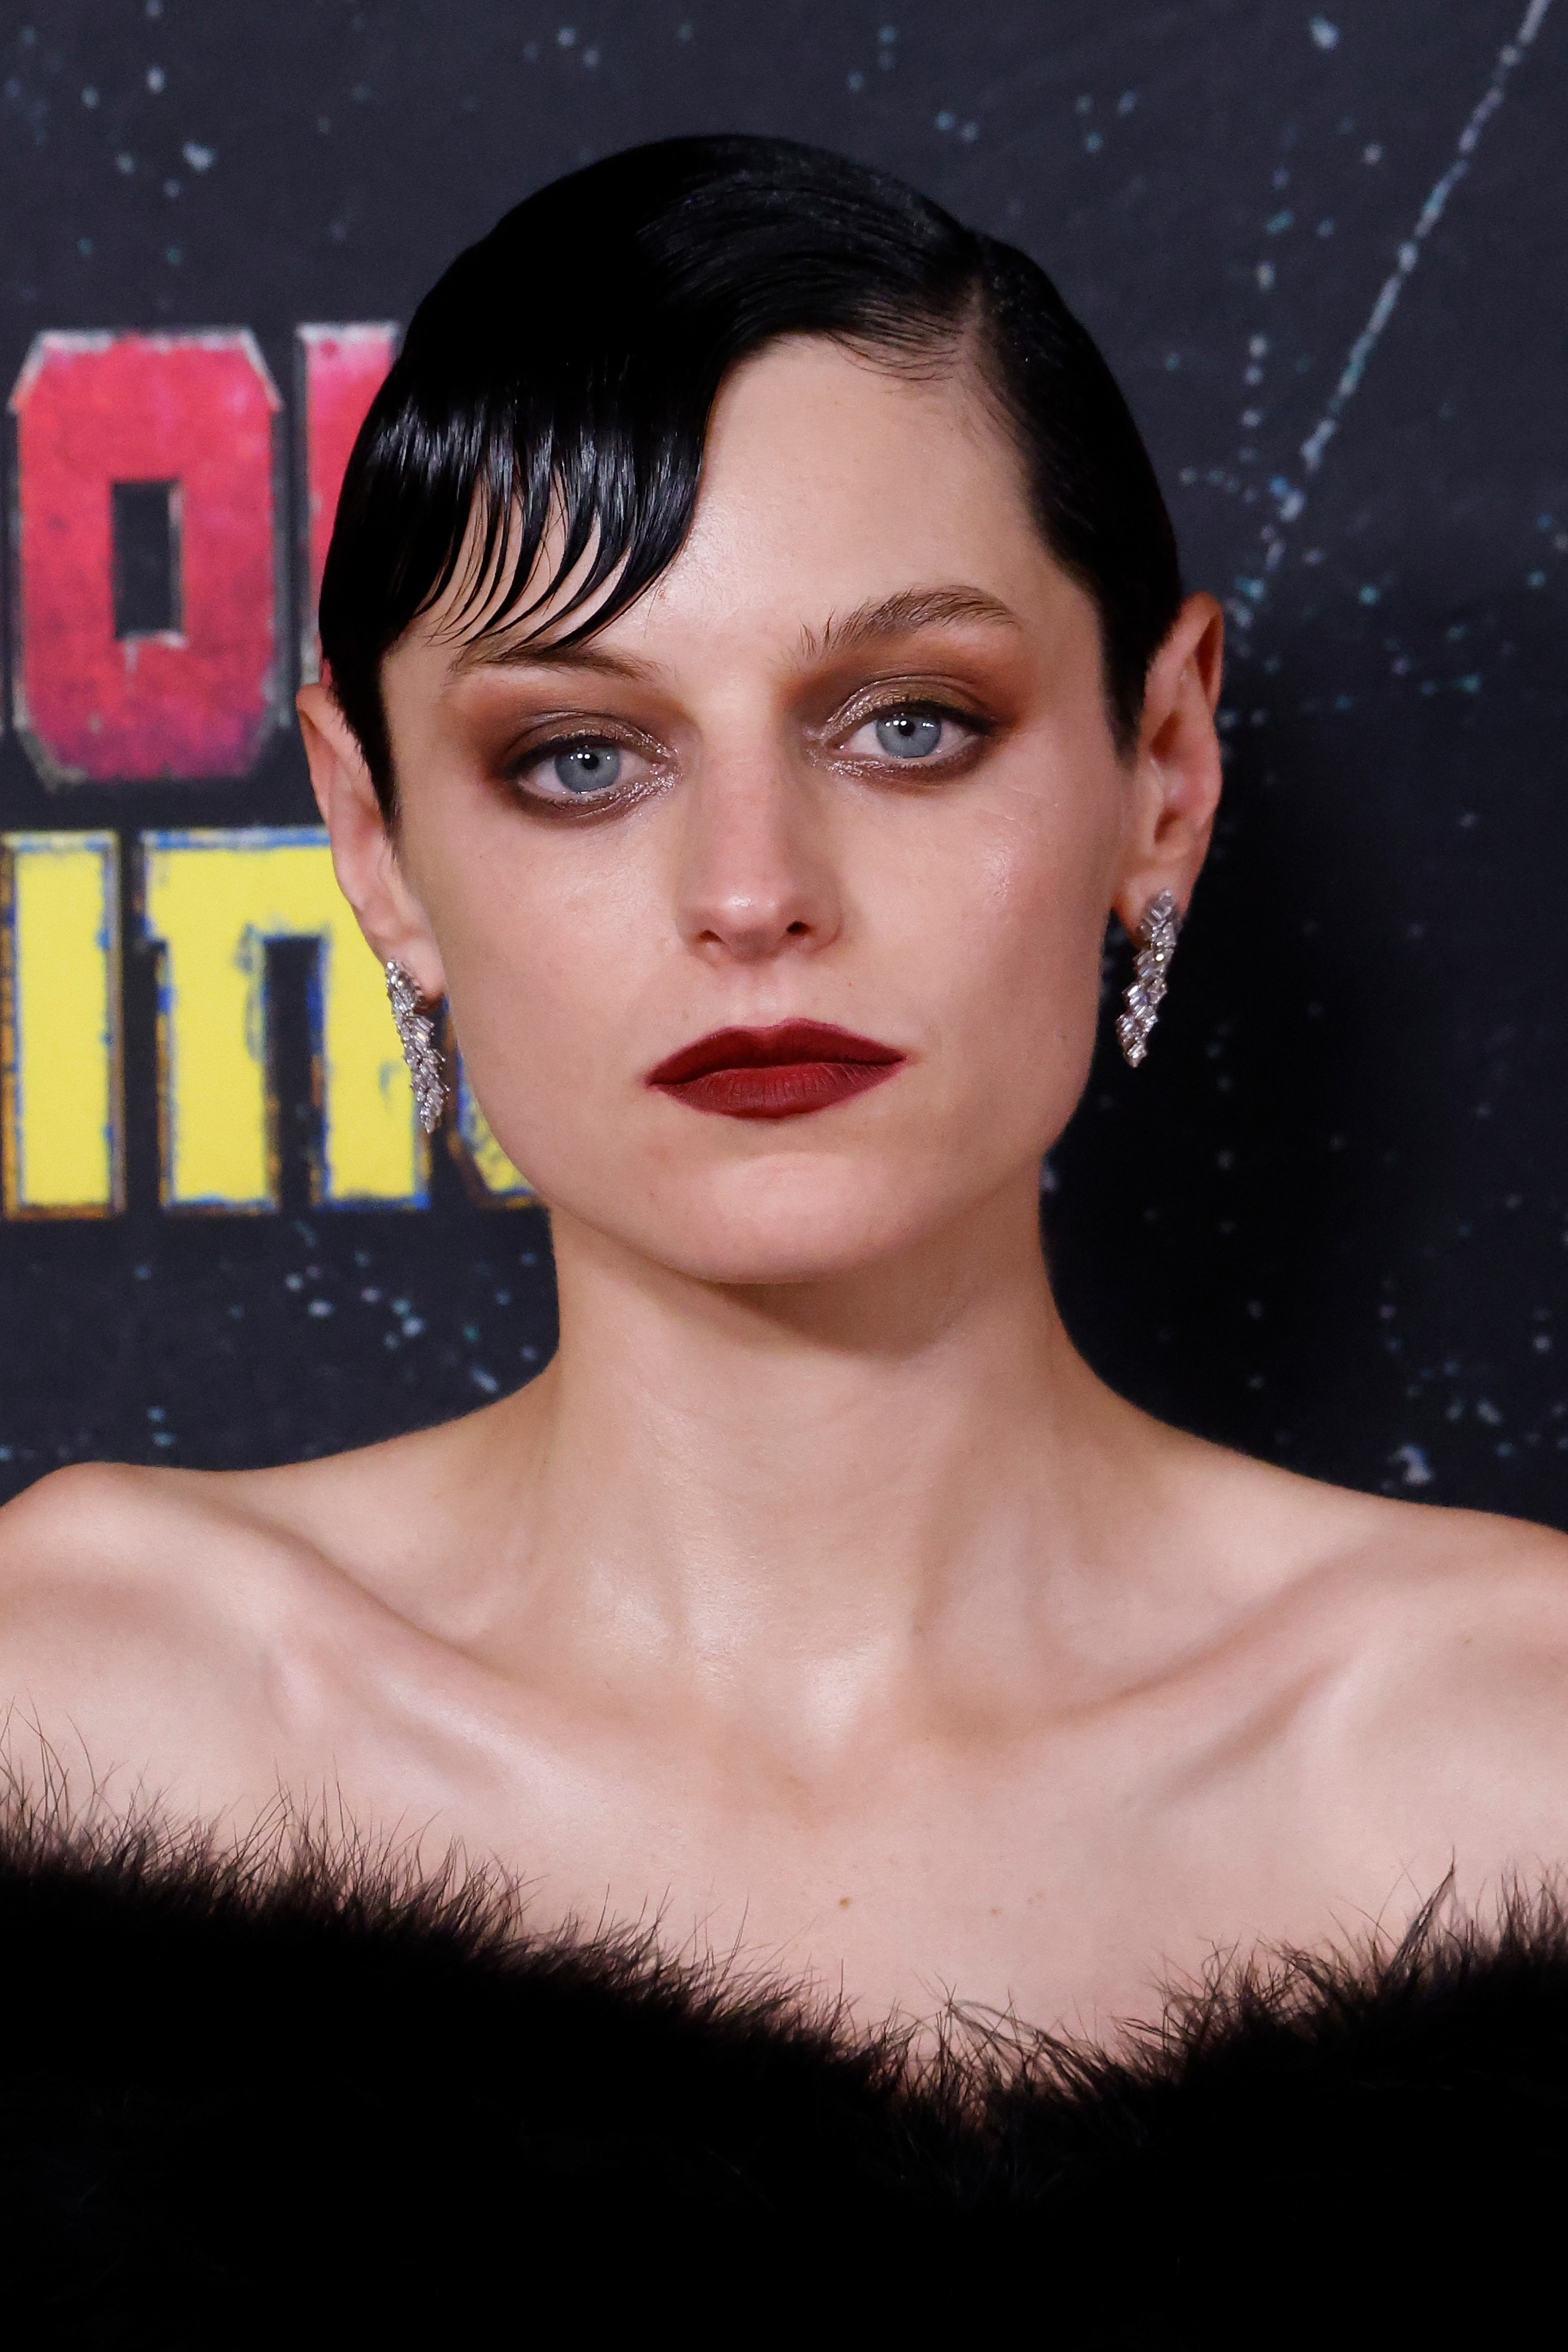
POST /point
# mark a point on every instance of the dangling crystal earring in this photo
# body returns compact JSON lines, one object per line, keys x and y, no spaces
{"x":416,"y":1034}
{"x":1156,"y":936}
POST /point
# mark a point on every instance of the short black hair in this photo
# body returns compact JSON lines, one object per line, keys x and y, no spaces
{"x":574,"y":356}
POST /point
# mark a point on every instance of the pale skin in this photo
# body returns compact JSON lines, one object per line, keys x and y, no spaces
{"x":816,"y":1600}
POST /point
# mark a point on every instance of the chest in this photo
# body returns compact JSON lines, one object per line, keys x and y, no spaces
{"x":1064,"y":1877}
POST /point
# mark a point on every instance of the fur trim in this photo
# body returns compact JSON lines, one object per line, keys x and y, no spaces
{"x":254,"y":2098}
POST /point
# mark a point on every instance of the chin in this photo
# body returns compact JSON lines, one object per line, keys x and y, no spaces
{"x":792,"y":1217}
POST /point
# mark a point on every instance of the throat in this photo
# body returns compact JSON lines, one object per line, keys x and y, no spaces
{"x":804,"y":1507}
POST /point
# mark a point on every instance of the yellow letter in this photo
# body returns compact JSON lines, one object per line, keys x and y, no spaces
{"x":214,"y":899}
{"x":63,"y":1105}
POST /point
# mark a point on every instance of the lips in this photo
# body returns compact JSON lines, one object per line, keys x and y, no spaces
{"x":779,"y":1073}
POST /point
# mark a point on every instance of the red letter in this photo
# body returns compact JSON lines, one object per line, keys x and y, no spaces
{"x":338,"y":371}
{"x":147,"y":622}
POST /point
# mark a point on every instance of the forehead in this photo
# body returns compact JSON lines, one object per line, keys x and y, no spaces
{"x":806,"y":430}
{"x":826,"y":468}
{"x":830,"y":483}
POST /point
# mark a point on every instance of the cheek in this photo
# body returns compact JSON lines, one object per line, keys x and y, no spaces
{"x":1021,"y":923}
{"x":546,"y":969}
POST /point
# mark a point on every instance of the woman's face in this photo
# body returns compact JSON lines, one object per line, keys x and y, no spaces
{"x":848,"y":763}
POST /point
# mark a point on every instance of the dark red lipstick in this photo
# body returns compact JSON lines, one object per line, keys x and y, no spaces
{"x":778,"y":1073}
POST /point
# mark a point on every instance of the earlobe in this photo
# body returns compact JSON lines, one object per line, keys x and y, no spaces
{"x":365,"y":857}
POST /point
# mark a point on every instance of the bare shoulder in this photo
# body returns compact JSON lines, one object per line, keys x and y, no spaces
{"x":1440,"y":1716}
{"x":134,"y":1524}
{"x":1303,"y":1542}
{"x":1485,"y":1594}
{"x":166,"y":1630}
{"x":1424,"y":1570}
{"x":105,"y":1522}
{"x":132,"y":1568}
{"x":1384,"y":1584}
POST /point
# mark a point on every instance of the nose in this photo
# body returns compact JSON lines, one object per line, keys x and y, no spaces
{"x":757,"y":877}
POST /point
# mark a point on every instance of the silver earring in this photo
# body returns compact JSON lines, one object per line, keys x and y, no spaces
{"x":416,"y":1034}
{"x":1156,"y":936}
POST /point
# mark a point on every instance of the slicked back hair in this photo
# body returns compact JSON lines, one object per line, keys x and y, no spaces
{"x":567,"y":367}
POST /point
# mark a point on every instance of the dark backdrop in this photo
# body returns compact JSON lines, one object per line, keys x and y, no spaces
{"x":1327,"y":1222}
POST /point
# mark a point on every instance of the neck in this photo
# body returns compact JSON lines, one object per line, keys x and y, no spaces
{"x":830,"y":1481}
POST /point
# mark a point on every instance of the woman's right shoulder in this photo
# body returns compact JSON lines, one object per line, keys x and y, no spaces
{"x":114,"y":1520}
{"x":275,"y":1545}
{"x":146,"y":1617}
{"x":101,"y":1554}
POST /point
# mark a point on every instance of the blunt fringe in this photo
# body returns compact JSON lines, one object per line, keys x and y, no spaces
{"x":568,"y":364}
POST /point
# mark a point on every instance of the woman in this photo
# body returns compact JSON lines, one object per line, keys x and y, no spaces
{"x":757,"y":670}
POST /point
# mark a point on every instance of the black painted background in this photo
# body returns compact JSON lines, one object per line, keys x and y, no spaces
{"x":1327,"y":1222}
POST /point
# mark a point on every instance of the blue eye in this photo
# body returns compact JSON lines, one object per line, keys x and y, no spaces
{"x":909,"y":734}
{"x":587,"y":767}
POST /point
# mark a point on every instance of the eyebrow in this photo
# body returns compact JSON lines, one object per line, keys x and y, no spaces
{"x":892,"y":616}
{"x":533,"y":653}
{"x":900,"y":615}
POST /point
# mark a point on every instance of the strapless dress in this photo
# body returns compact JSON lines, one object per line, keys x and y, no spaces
{"x":251,"y":2101}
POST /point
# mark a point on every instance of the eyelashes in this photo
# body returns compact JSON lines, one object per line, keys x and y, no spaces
{"x":902,"y":739}
{"x":581,"y":774}
{"x":910,"y":737}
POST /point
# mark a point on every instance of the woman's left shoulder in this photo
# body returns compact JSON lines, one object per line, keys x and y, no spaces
{"x":1452,"y":1575}
{"x":1376,"y":1570}
{"x":1375,"y":1561}
{"x":1446,"y":1633}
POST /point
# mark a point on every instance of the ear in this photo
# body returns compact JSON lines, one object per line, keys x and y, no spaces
{"x":364,"y":854}
{"x":1176,"y":780}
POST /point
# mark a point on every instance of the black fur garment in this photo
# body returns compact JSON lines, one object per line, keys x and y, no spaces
{"x":244,"y":2105}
